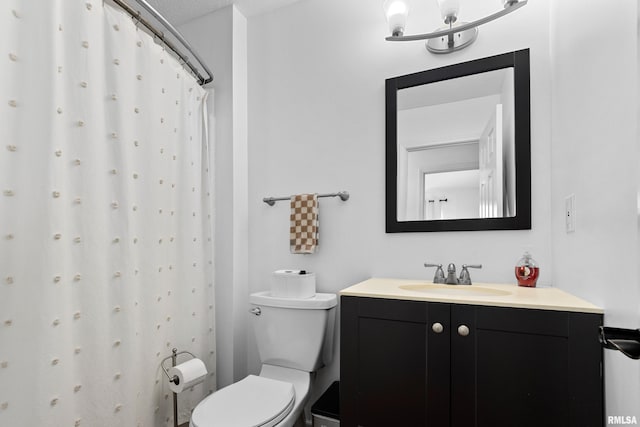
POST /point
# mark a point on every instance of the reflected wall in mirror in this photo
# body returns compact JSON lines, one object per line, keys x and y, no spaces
{"x":458,"y":147}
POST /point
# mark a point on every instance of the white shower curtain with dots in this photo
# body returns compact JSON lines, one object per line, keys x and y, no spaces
{"x":105,"y":219}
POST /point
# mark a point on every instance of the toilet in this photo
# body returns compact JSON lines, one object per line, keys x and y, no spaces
{"x":295,"y":339}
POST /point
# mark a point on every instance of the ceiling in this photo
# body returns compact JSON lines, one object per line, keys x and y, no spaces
{"x":177,"y":12}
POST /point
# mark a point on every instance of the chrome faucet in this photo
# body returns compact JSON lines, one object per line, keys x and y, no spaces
{"x":451,"y":279}
{"x":451,"y":275}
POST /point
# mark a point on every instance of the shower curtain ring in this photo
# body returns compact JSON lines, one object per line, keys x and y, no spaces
{"x":136,"y":18}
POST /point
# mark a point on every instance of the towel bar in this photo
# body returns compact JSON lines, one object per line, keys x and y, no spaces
{"x":344,"y":196}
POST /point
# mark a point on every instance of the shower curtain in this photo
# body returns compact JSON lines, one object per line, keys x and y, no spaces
{"x":105,"y":219}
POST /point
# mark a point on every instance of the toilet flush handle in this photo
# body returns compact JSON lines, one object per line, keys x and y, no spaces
{"x":256,"y":311}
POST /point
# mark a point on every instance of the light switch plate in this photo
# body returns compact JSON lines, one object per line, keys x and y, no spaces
{"x":570,"y":213}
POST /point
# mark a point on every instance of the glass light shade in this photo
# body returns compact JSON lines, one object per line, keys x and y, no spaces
{"x":449,"y":8}
{"x":396,"y":12}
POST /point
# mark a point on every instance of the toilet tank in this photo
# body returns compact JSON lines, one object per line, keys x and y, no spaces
{"x":294,"y":332}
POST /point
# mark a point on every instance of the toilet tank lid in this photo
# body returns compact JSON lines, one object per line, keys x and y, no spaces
{"x":316,"y":302}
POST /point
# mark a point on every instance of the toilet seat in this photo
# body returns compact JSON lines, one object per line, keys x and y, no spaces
{"x":252,"y":402}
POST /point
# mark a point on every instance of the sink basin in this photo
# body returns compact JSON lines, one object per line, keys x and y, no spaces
{"x":453,"y":290}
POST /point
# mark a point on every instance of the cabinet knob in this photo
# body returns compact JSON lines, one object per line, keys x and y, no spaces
{"x":463,"y":330}
{"x":437,"y":328}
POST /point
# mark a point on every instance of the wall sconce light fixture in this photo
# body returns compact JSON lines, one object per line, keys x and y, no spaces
{"x":454,"y":36}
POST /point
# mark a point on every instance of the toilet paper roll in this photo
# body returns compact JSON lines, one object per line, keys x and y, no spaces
{"x":293,"y":284}
{"x":187,"y":374}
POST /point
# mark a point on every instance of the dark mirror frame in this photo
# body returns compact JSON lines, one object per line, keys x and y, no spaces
{"x":519,"y":60}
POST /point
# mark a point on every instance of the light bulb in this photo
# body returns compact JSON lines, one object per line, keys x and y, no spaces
{"x":396,"y":12}
{"x":449,"y":10}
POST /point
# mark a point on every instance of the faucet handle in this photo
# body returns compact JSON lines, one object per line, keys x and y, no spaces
{"x":465,"y":278}
{"x":438,"y":277}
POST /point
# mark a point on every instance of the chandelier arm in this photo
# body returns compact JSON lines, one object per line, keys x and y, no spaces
{"x":463,"y":27}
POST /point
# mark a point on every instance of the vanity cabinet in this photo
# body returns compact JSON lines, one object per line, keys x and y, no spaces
{"x":418,"y":363}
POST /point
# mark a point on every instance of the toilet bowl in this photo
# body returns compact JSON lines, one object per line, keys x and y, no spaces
{"x":274,"y":398}
{"x":295,"y":338}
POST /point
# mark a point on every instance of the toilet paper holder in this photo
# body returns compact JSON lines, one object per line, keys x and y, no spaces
{"x":174,"y":360}
{"x":174,"y":379}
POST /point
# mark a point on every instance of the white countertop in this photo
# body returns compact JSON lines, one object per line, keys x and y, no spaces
{"x":491,"y":294}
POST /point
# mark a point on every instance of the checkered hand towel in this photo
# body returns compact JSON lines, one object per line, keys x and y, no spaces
{"x":303,"y":237}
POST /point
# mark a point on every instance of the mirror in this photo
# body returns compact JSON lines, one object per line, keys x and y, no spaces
{"x":458,"y":147}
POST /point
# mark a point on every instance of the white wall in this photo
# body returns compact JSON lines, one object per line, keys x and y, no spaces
{"x":316,"y":124}
{"x":316,"y":73}
{"x":594,"y":151}
{"x":220,"y":38}
{"x":240,"y":195}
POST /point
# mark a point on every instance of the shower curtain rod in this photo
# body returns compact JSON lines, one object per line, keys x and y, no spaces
{"x":136,"y":15}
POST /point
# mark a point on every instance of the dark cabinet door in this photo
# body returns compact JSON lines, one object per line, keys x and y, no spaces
{"x":394,"y":371}
{"x":527,"y":368}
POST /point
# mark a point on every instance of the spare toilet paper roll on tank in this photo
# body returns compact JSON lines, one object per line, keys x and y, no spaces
{"x":293,"y":284}
{"x":188,"y":374}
